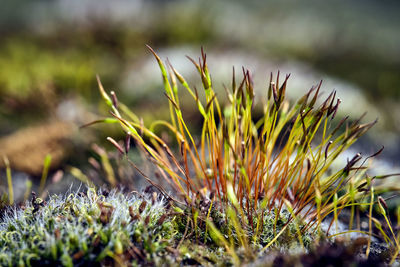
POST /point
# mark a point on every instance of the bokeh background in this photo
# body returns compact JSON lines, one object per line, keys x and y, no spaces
{"x":51,"y":50}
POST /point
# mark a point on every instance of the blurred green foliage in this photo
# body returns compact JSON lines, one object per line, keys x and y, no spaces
{"x":27,"y":67}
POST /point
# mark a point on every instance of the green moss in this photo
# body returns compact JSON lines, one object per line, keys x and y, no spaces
{"x":82,"y":228}
{"x":99,"y":227}
{"x":239,"y":205}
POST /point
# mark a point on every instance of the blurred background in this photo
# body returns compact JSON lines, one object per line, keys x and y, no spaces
{"x":51,"y":50}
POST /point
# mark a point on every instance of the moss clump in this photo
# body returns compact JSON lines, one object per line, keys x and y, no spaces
{"x":247,"y":187}
{"x":101,"y":228}
{"x":80,"y":228}
{"x":250,"y":184}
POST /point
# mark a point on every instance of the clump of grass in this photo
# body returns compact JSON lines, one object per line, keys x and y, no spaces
{"x":254,"y":169}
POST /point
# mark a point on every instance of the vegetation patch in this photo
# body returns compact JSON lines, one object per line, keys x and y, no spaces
{"x":82,"y":228}
{"x":246,"y":186}
{"x":111,"y":227}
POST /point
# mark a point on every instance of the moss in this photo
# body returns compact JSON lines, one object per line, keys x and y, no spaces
{"x":133,"y":228}
{"x":79,"y":228}
{"x":219,"y":216}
